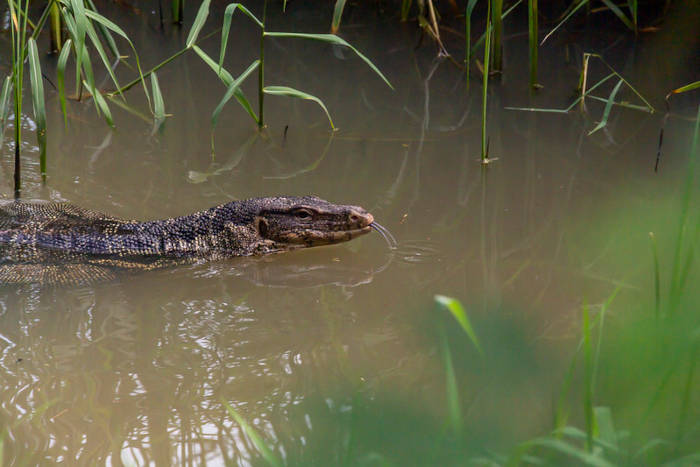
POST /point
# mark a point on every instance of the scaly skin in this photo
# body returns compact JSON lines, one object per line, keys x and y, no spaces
{"x":62,"y":243}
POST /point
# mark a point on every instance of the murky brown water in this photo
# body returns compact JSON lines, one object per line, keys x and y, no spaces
{"x":136,"y":371}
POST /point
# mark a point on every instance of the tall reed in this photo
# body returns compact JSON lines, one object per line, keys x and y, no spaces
{"x":497,"y":25}
{"x":19,"y":14}
{"x":261,"y":70}
{"x":485,"y":86}
{"x":55,"y":35}
{"x":177,"y":9}
{"x":468,"y":36}
{"x":532,"y":39}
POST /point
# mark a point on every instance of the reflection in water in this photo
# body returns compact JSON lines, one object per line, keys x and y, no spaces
{"x":143,"y":374}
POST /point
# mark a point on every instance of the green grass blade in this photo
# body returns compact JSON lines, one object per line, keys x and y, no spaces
{"x":38,"y":102}
{"x":100,"y":103}
{"x":483,"y":35}
{"x":455,"y":307}
{"x":60,"y":77}
{"x":231,"y":90}
{"x":198,"y":24}
{"x":608,"y":107}
{"x":337,"y":15}
{"x":453,"y":403}
{"x":4,"y":105}
{"x":92,"y":34}
{"x":468,"y":36}
{"x":291,"y":92}
{"x":657,"y":276}
{"x":104,"y":32}
{"x":54,"y":25}
{"x":588,"y":378}
{"x":579,"y":435}
{"x":257,"y":440}
{"x":632,"y":4}
{"x":79,"y":22}
{"x":533,"y":33}
{"x":634,"y":90}
{"x":87,"y":69}
{"x":485,"y":85}
{"x":676,"y":271}
{"x":572,"y":451}
{"x":573,"y":10}
{"x":222,"y":73}
{"x":228,"y":16}
{"x":332,"y":39}
{"x":606,"y":428}
{"x":227,"y":79}
{"x":536,"y":109}
{"x":405,"y":9}
{"x":686,"y":88}
{"x":496,"y":39}
{"x":619,"y":13}
{"x":158,"y":104}
{"x":109,"y":25}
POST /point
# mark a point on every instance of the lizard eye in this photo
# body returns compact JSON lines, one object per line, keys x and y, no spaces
{"x":303,"y":213}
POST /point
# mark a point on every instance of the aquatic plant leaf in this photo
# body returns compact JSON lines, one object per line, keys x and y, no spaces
{"x":255,"y":437}
{"x":113,"y":27}
{"x":468,"y":28}
{"x":337,"y":15}
{"x":87,"y":68}
{"x":231,"y":90}
{"x":101,"y":52}
{"x":406,"y":8}
{"x":483,"y":35}
{"x":291,"y":92}
{"x":38,"y":101}
{"x":332,"y":39}
{"x":103,"y":30}
{"x":60,"y":76}
{"x":608,"y":107}
{"x":228,"y":15}
{"x":678,"y":273}
{"x":604,"y":426}
{"x":485,"y":85}
{"x":4,"y":106}
{"x":79,"y":28}
{"x":619,"y":13}
{"x":532,"y":22}
{"x":588,"y":378}
{"x":574,"y":9}
{"x":457,"y":310}
{"x":686,"y":88}
{"x":577,"y":434}
{"x":227,"y":79}
{"x":100,"y":103}
{"x":158,"y":104}
{"x":199,"y":21}
{"x":108,"y":24}
{"x":453,"y":403}
{"x":568,"y":450}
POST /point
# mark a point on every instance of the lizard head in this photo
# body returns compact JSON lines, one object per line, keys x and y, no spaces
{"x":308,"y":221}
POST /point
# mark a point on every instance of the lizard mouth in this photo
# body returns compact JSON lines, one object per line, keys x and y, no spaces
{"x":339,"y":236}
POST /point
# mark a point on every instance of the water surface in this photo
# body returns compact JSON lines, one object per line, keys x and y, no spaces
{"x":137,"y":370}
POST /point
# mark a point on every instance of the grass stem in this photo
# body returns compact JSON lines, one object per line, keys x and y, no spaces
{"x":261,"y":71}
{"x":532,"y":34}
{"x":484,"y":92}
{"x":497,"y":25}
